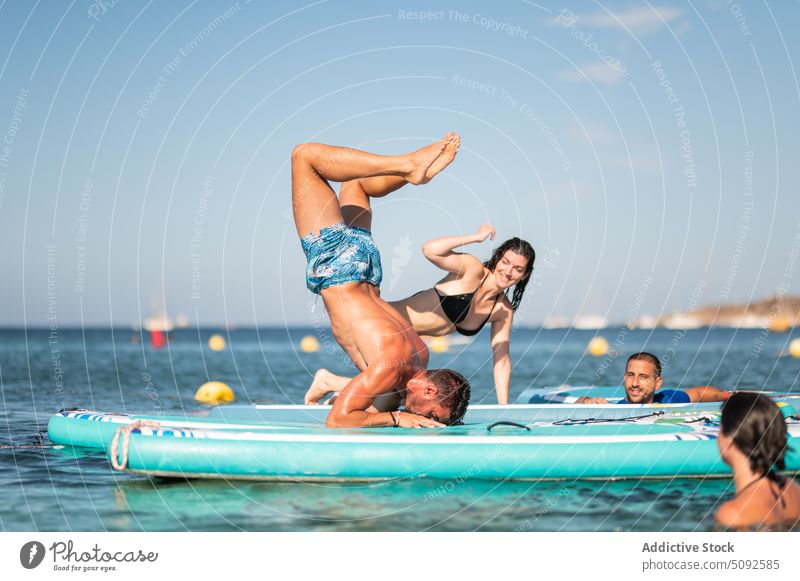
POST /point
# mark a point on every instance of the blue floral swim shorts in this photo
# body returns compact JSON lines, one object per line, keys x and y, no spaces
{"x":340,"y":254}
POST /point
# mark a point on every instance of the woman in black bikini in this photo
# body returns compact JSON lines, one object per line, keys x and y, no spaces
{"x":753,"y":441}
{"x":470,"y":296}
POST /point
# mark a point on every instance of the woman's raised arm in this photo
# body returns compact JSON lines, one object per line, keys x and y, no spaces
{"x":440,"y":250}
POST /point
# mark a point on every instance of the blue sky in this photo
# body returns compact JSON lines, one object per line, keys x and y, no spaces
{"x":646,"y":150}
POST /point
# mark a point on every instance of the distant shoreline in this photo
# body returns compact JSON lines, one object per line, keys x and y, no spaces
{"x":778,"y":314}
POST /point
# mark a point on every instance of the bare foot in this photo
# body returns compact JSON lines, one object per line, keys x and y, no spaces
{"x":319,"y":387}
{"x":422,"y":159}
{"x":445,"y":158}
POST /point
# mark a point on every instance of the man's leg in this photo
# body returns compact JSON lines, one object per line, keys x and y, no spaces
{"x":326,"y":383}
{"x":354,"y":196}
{"x":314,"y":202}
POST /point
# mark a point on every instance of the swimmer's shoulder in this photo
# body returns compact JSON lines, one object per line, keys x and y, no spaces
{"x":744,"y":513}
{"x":729,"y":515}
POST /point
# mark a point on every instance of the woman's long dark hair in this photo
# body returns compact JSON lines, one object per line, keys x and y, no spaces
{"x":758,"y":429}
{"x":522,"y":248}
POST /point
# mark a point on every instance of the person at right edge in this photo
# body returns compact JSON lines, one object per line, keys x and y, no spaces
{"x":753,"y":442}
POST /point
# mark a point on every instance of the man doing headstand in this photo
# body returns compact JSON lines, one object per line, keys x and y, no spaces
{"x":344,"y":268}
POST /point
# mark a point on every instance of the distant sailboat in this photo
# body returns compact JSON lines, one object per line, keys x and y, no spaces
{"x":590,"y":322}
{"x":158,"y":324}
{"x":556,"y":323}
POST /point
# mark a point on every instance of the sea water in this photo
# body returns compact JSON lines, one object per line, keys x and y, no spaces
{"x":56,"y":489}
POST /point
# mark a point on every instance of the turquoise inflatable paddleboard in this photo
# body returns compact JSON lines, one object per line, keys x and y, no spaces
{"x":656,"y":446}
{"x":93,"y":429}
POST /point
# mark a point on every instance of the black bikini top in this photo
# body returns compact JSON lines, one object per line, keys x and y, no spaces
{"x":456,"y":308}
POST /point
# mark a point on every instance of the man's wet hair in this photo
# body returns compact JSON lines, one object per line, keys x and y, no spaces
{"x":758,"y":429}
{"x":454,"y":391}
{"x":645,"y":356}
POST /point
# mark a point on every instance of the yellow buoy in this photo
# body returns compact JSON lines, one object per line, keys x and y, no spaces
{"x":309,"y":344}
{"x":779,"y":325}
{"x":216,"y":342}
{"x":439,"y":344}
{"x":794,"y":348}
{"x":214,"y":392}
{"x":598,"y":347}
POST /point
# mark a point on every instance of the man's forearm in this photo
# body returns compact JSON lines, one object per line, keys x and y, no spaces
{"x":706,"y":393}
{"x":360,"y":419}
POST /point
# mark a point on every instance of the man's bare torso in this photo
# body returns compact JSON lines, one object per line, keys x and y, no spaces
{"x":371,"y":331}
